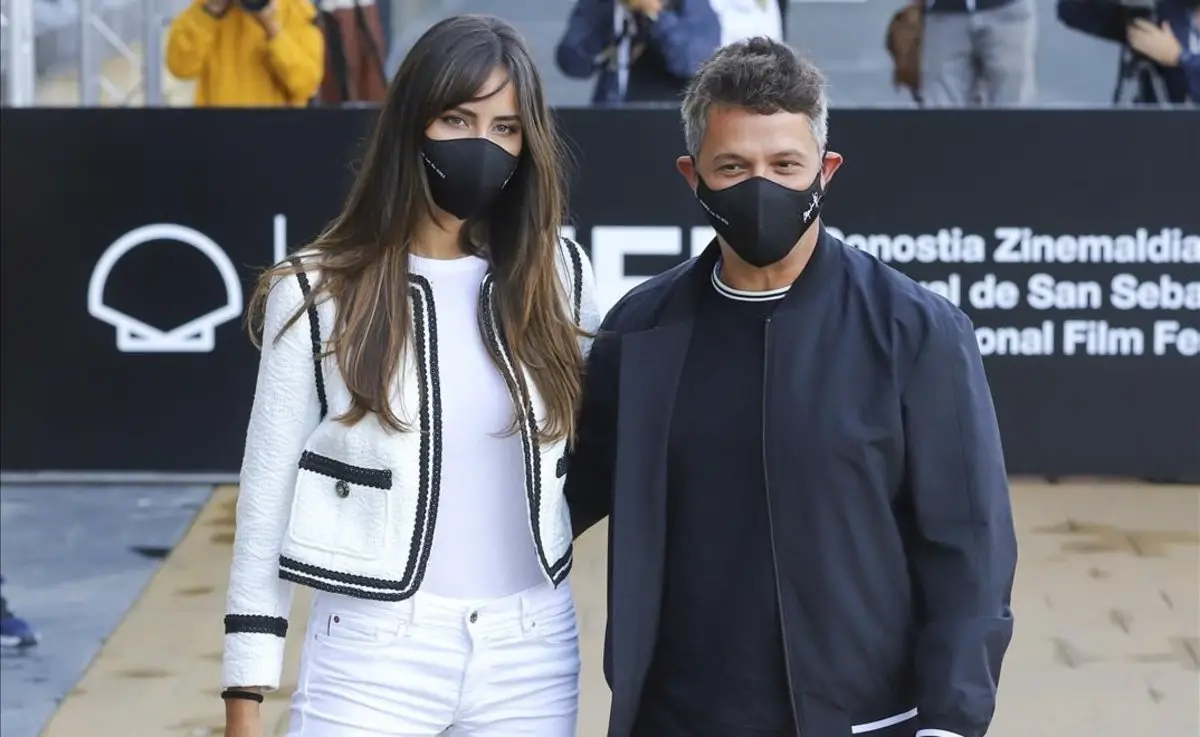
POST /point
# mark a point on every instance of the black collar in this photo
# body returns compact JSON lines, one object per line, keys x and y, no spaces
{"x":818,"y":277}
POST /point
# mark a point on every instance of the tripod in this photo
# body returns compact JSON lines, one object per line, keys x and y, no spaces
{"x":1139,"y":81}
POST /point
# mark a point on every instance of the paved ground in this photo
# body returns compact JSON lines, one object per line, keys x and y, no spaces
{"x":1108,"y":636}
{"x":75,"y":560}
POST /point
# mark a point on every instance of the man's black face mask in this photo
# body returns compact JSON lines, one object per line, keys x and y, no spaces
{"x":466,"y":175}
{"x":759,"y":219}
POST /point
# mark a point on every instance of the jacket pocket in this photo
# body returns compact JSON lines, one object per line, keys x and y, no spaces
{"x":339,"y":508}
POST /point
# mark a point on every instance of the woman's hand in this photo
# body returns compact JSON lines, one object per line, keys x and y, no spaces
{"x":243,"y":719}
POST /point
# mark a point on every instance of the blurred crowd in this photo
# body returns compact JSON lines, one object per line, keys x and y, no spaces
{"x":946,"y":53}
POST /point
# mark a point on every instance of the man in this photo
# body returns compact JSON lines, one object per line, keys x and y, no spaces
{"x":249,"y":53}
{"x":810,"y":530}
{"x":978,"y":52}
{"x":354,"y":52}
{"x":1173,"y":45}
{"x":641,"y":50}
{"x":742,"y":19}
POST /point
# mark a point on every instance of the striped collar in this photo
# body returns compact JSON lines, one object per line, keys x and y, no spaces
{"x":744,"y":295}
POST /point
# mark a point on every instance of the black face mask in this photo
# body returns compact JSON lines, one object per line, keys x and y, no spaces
{"x":466,"y":174}
{"x":759,"y":219}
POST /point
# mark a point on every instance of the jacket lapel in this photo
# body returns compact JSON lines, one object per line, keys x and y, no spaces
{"x":651,"y":364}
{"x":424,"y":391}
{"x":530,"y":412}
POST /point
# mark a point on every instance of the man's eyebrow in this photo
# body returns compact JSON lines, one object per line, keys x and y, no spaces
{"x":792,"y":152}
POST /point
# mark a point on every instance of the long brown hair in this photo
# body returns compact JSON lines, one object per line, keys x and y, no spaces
{"x":362,"y":256}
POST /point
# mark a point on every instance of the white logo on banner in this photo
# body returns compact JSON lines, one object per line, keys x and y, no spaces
{"x":194,"y":336}
{"x":611,"y":244}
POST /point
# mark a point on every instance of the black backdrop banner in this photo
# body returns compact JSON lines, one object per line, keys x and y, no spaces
{"x":130,"y":240}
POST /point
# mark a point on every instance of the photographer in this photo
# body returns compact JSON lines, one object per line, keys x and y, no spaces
{"x":643,"y":50}
{"x":1167,"y":34}
{"x":248,"y":52}
{"x":978,"y":53}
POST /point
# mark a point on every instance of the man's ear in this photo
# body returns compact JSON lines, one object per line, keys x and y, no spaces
{"x":687,"y":167}
{"x":829,"y":165}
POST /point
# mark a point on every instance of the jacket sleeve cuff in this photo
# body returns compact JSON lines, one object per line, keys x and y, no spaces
{"x":252,"y":659}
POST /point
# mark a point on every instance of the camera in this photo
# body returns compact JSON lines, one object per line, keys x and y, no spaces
{"x":1139,"y":80}
{"x":1132,"y":10}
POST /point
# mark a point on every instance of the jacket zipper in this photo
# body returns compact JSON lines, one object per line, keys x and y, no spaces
{"x":787,"y":659}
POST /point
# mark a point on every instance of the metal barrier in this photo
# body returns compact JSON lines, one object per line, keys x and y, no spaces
{"x":94,"y":31}
{"x":20,"y":73}
{"x":96,"y":40}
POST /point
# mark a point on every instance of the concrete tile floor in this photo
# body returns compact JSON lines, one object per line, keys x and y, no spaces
{"x":1108,"y":636}
{"x":75,"y":559}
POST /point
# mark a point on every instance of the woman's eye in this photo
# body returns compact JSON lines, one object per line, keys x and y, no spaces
{"x":454,"y":120}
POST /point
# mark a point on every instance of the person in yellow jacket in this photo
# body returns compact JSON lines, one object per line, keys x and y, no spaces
{"x":271,"y":58}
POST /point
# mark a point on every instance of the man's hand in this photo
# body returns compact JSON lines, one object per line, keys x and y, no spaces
{"x":1156,"y":42}
{"x":268,"y":19}
{"x":648,"y":8}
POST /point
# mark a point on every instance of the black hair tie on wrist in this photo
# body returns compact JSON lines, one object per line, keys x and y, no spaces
{"x":237,"y":693}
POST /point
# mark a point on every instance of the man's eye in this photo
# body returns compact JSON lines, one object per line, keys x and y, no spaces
{"x":729,"y":167}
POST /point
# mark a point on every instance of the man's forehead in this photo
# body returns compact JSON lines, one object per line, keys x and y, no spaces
{"x":734,"y":113}
{"x":738,"y":131}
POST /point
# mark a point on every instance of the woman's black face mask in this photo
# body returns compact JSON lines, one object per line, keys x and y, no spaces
{"x":759,"y":219}
{"x":466,"y":175}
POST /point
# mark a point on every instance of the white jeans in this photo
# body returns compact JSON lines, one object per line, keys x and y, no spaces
{"x":432,"y":666}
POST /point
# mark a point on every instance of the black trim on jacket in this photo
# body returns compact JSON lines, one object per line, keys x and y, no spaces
{"x":258,"y":624}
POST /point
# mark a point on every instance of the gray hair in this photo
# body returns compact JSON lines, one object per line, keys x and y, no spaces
{"x":756,"y":74}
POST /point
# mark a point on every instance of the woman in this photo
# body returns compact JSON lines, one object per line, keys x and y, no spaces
{"x":413,"y":474}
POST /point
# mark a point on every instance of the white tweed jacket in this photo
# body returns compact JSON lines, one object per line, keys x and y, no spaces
{"x":352,"y":509}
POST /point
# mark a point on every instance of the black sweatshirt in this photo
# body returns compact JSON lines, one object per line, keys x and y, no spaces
{"x":718,"y":668}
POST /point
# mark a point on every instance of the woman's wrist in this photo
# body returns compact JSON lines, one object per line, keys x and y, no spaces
{"x":242,"y":707}
{"x":250,"y":694}
{"x":238,"y":710}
